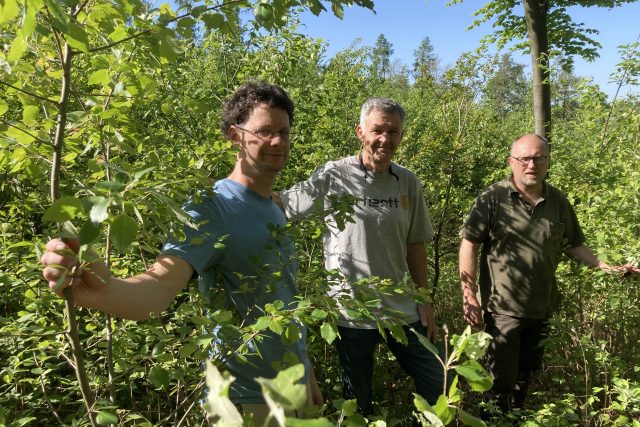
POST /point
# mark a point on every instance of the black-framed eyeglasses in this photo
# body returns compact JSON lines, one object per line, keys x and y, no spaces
{"x":267,"y":135}
{"x":537,"y":160}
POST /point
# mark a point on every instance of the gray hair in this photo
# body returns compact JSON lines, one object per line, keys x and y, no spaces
{"x":384,"y":105}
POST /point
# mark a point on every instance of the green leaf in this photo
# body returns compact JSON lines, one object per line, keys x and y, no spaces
{"x":218,"y":404}
{"x":105,"y":418}
{"x":426,"y":410}
{"x":18,"y":47}
{"x":8,"y":10}
{"x":316,"y":422}
{"x":213,"y":21}
{"x":328,"y":332}
{"x":118,"y":34}
{"x":30,"y":114}
{"x":56,"y":17}
{"x":426,"y":343}
{"x":319,"y":314}
{"x":3,"y":107}
{"x":445,"y":413}
{"x":477,"y":377}
{"x":88,"y":233}
{"x":77,"y":37}
{"x":292,"y":333}
{"x":99,"y":210}
{"x":159,"y":377}
{"x":469,"y":420}
{"x":124,"y":230}
{"x":112,"y":186}
{"x":349,"y":407}
{"x":188,"y":349}
{"x":100,"y":77}
{"x":32,"y":8}
{"x":284,"y":393}
{"x":63,"y":209}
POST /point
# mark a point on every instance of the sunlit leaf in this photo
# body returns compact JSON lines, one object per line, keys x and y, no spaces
{"x":328,"y":332}
{"x":100,"y":77}
{"x":284,"y":393}
{"x":18,"y":47}
{"x":63,"y":209}
{"x":30,"y":114}
{"x":3,"y":107}
{"x":118,"y":34}
{"x":8,"y":10}
{"x":99,"y":210}
{"x":477,"y":377}
{"x":77,"y":37}
{"x":218,"y":404}
{"x":29,"y":23}
{"x":105,"y":418}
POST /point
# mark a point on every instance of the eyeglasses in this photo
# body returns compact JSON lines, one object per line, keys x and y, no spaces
{"x":537,"y":160}
{"x":266,"y":135}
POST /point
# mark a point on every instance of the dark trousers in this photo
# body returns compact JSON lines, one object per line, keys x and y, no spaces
{"x":515,"y":352}
{"x":356,"y":348}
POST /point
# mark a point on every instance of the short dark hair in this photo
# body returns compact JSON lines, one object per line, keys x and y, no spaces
{"x":238,"y":107}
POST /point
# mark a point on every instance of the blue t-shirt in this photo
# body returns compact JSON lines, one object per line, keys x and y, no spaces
{"x":244,"y":257}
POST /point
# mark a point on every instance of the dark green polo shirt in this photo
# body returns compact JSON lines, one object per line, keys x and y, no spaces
{"x":521,"y":248}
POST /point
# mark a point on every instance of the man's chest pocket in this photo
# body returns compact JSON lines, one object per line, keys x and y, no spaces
{"x":553,"y":232}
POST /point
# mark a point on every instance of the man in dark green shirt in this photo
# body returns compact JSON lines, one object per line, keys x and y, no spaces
{"x":523,"y":225}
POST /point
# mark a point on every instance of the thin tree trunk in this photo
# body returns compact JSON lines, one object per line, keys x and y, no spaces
{"x":535,"y":12}
{"x":58,"y":148}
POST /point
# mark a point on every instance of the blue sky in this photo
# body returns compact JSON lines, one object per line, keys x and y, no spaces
{"x":406,"y":22}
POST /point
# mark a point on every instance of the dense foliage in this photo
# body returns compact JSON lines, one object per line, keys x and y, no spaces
{"x":141,"y":134}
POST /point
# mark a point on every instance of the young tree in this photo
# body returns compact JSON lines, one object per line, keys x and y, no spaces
{"x":548,"y":28}
{"x":425,"y":60}
{"x":508,"y":88}
{"x":381,"y":58}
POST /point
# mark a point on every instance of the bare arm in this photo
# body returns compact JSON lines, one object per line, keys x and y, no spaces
{"x":417,"y":263}
{"x":586,"y":255}
{"x":94,"y":287}
{"x":468,"y":267}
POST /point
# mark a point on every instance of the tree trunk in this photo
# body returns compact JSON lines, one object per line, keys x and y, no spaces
{"x":535,"y":12}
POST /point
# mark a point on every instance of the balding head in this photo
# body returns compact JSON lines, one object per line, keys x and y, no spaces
{"x":529,"y":161}
{"x":529,"y":141}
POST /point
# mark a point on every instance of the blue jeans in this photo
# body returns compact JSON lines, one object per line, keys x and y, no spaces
{"x":355,"y":349}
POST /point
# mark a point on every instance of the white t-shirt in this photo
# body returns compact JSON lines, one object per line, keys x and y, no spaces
{"x":389,"y":212}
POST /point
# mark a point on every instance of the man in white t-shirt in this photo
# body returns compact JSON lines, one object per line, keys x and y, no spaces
{"x":385,"y":238}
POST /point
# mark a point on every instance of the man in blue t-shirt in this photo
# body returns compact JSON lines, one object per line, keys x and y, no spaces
{"x":253,"y":267}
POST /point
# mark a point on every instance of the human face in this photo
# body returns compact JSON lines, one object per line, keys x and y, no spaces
{"x":380,"y":136}
{"x":263,"y":154}
{"x":529,"y":174}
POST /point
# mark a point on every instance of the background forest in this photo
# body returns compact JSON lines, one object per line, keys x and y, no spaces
{"x":111,"y":108}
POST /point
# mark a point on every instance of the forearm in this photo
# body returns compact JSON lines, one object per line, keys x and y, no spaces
{"x":137,"y":297}
{"x":417,"y":264}
{"x":468,"y":266}
{"x":585,"y":255}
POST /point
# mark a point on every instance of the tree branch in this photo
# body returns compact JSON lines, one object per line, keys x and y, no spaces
{"x":42,"y":98}
{"x":25,"y":132}
{"x":164,"y":24}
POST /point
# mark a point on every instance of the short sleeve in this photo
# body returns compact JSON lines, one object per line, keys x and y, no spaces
{"x":198,"y":246}
{"x":306,"y":197}
{"x":478,"y":223}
